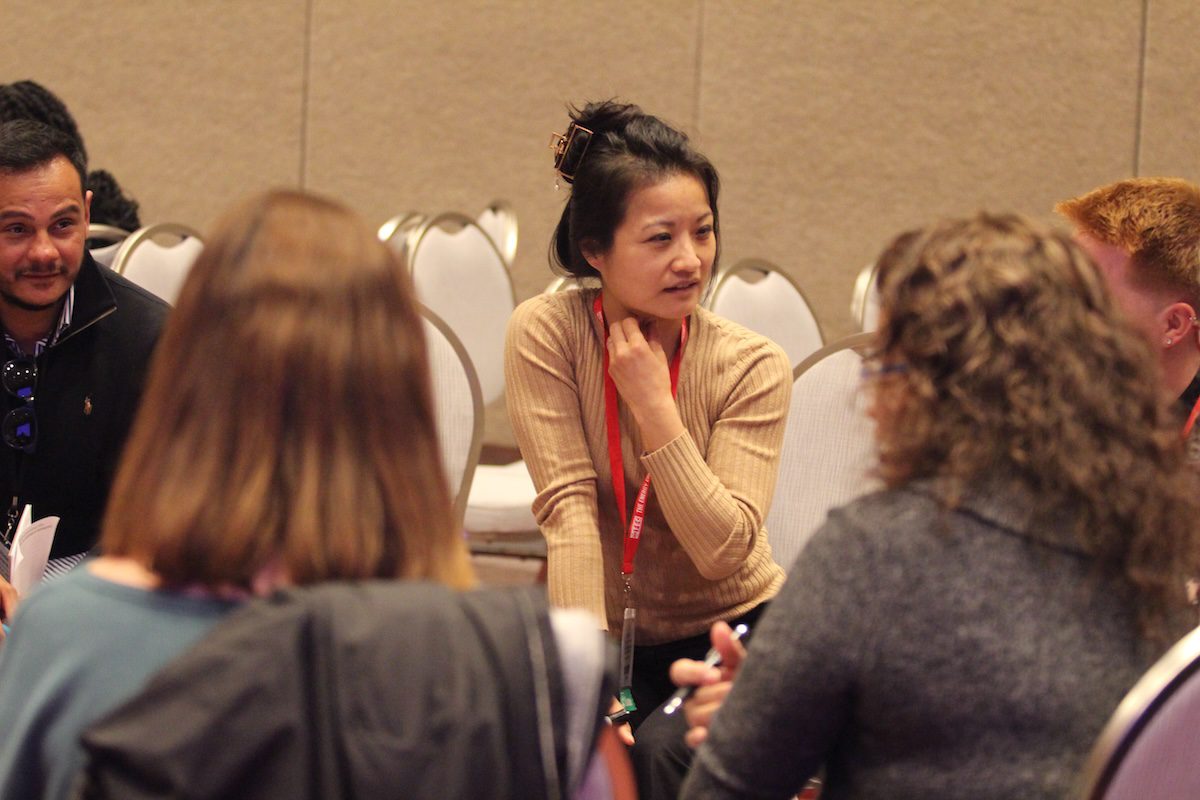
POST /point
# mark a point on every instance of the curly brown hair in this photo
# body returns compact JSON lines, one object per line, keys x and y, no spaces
{"x":1014,"y":363}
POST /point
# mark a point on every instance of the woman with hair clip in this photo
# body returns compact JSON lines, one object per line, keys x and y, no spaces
{"x":651,"y":427}
{"x":286,"y":437}
{"x":968,"y":630}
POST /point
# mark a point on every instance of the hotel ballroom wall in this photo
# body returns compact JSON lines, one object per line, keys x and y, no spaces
{"x":834,"y":123}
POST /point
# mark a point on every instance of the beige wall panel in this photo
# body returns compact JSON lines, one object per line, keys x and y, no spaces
{"x":189,"y":104}
{"x":1171,"y":97}
{"x":436,"y":107}
{"x":447,"y":106}
{"x":836,"y":125}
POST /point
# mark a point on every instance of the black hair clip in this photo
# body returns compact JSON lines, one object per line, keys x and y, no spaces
{"x":568,"y":150}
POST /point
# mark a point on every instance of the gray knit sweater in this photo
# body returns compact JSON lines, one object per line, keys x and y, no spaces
{"x":919,"y":652}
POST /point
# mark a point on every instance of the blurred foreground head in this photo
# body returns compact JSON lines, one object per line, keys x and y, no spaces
{"x":287,"y":425}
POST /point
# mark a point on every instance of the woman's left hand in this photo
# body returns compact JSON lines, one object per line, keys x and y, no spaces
{"x":638,"y":366}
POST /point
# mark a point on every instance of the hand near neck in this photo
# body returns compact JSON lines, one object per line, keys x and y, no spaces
{"x":639,"y":366}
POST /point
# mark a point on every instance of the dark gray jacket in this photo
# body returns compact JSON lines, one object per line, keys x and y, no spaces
{"x":919,"y":652}
{"x":377,"y":689}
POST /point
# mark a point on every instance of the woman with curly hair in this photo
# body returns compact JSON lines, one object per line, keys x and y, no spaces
{"x":969,"y":629}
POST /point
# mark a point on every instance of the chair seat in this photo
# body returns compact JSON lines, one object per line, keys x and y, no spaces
{"x":501,"y":501}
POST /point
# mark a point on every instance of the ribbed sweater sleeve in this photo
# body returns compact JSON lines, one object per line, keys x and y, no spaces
{"x":716,"y":503}
{"x":544,"y":407}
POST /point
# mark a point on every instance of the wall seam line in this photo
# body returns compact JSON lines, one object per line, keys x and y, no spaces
{"x":304,"y":91}
{"x":696,"y":75}
{"x":1141,"y":90}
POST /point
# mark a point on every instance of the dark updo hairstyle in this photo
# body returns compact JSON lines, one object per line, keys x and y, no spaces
{"x":628,"y":149}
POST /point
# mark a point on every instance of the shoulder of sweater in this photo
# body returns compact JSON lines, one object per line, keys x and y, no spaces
{"x":884,"y":520}
{"x":745,"y":342}
{"x":553,"y":309}
{"x":740,"y":347}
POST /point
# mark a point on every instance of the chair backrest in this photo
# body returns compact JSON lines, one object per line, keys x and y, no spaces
{"x":499,"y":222}
{"x":396,"y":231}
{"x":157,"y":267}
{"x":864,"y":304}
{"x":828,"y":447}
{"x":1150,"y":749}
{"x":458,"y":408}
{"x":758,"y":295}
{"x":461,"y":276}
{"x":108,"y":240}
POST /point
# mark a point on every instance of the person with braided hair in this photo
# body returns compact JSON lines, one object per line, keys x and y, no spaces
{"x":30,"y":100}
{"x":651,"y":427}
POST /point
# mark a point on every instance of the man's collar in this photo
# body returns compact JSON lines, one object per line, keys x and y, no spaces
{"x":93,"y":298}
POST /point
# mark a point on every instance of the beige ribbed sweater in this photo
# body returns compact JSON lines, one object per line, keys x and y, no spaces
{"x":704,"y":554}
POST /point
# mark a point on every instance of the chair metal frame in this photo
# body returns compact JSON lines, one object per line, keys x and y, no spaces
{"x":507,"y":215}
{"x":109,"y":234}
{"x":476,"y":446}
{"x":1139,"y":708}
{"x":864,"y":283}
{"x":855,"y":341}
{"x":396,"y":231}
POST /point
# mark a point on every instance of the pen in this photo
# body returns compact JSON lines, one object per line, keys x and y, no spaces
{"x":712,"y":659}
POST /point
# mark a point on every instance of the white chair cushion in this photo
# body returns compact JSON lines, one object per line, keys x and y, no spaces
{"x":501,"y":501}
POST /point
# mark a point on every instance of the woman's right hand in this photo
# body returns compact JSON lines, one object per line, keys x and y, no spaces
{"x":638,"y":366}
{"x":713,"y":683}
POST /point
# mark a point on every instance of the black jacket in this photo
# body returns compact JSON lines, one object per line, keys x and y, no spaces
{"x":88,"y":386}
{"x":369,"y":690}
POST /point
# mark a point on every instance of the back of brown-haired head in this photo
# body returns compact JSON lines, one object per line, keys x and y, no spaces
{"x":287,"y":421}
{"x":1155,"y":220}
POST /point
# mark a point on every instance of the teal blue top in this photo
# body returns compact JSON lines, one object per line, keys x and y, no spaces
{"x":79,"y":646}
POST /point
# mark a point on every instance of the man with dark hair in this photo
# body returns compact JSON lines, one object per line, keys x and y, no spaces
{"x":78,"y":338}
{"x":31,"y":100}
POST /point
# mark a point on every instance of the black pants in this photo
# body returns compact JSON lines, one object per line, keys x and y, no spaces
{"x":660,"y":756}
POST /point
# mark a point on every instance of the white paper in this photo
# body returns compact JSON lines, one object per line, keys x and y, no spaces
{"x":31,"y":550}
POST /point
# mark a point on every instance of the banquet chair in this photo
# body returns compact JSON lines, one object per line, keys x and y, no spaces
{"x":108,"y":240}
{"x":758,"y":295}
{"x":1150,"y":750}
{"x":156,"y":267}
{"x":458,"y":407}
{"x":461,"y":276}
{"x":499,"y":222}
{"x":396,"y":231}
{"x":864,"y":304}
{"x":828,"y":447}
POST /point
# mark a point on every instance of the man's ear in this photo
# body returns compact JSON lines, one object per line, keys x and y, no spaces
{"x":1178,"y":320}
{"x":87,"y":209}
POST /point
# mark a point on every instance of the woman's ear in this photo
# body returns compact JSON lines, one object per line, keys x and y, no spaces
{"x":592,"y":254}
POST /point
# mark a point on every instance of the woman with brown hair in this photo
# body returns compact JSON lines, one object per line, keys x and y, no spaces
{"x":969,"y":629}
{"x":286,"y":437}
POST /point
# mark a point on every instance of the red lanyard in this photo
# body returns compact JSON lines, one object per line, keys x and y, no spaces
{"x":616,"y":462}
{"x":1191,"y":420}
